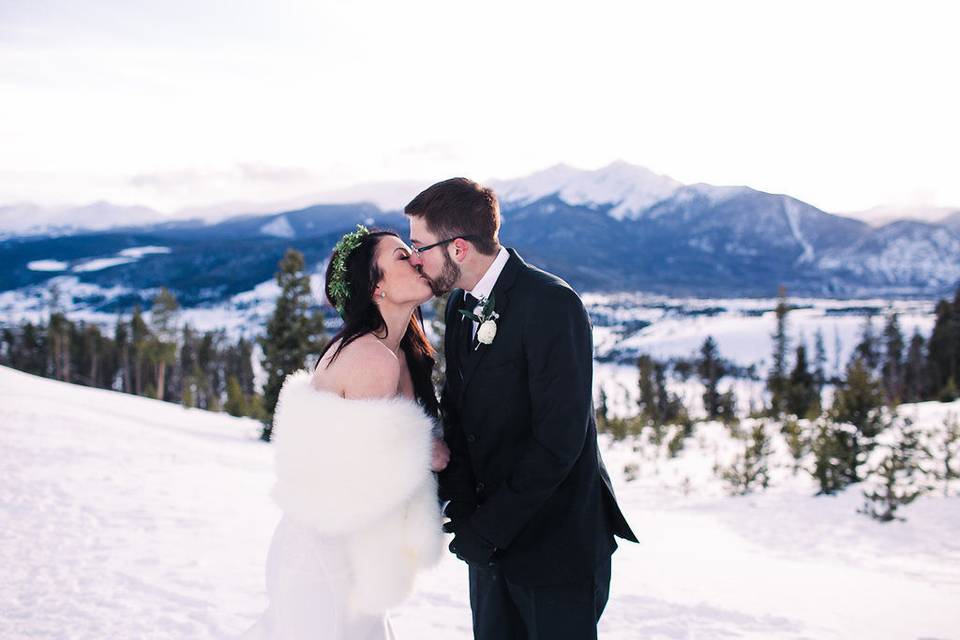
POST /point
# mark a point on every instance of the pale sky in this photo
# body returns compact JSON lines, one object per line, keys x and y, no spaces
{"x":844,"y":104}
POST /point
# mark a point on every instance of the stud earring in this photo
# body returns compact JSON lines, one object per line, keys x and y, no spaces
{"x":383,"y":295}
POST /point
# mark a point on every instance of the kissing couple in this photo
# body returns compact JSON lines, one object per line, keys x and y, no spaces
{"x":364,"y":481}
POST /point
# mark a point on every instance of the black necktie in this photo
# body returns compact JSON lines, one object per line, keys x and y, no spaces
{"x":466,"y":340}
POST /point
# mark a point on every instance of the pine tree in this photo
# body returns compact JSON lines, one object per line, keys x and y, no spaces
{"x":121,"y":339}
{"x":647,"y":402}
{"x":949,"y":391}
{"x":727,"y":409}
{"x":750,"y":469}
{"x":819,"y":362}
{"x":139,"y":336}
{"x":777,"y":377}
{"x":710,"y":369}
{"x":893,"y":365}
{"x":602,"y":411}
{"x":894,"y":474}
{"x":796,"y":442}
{"x":833,"y":451}
{"x":293,"y":334}
{"x":236,"y":404}
{"x":858,"y":402}
{"x":868,"y":349}
{"x":915,"y":370}
{"x":58,"y":331}
{"x":161,"y":349}
{"x":801,"y":393}
{"x":943,"y":349}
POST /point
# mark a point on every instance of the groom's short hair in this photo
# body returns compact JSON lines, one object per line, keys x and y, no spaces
{"x":460,"y":207}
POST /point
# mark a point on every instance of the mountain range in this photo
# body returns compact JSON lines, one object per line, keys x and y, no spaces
{"x":619,"y":228}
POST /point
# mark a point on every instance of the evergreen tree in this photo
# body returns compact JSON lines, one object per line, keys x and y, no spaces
{"x":293,"y":333}
{"x":833,"y":451}
{"x":915,"y":370}
{"x":796,"y":442}
{"x":943,"y":347}
{"x":857,"y":402}
{"x":8,"y":343}
{"x":801,"y":393}
{"x":710,"y":369}
{"x":121,"y":339}
{"x":188,"y":366}
{"x":750,"y":469}
{"x":139,"y":337}
{"x":819,"y":362}
{"x":777,"y":377}
{"x":949,"y":391}
{"x":949,"y":456}
{"x":602,"y":411}
{"x":161,"y":349}
{"x":727,"y":409}
{"x":649,"y":407}
{"x":236,"y":404}
{"x":58,"y":332}
{"x":868,"y":349}
{"x":894,"y":475}
{"x":32,"y":354}
{"x":893,"y":365}
{"x":658,"y":406}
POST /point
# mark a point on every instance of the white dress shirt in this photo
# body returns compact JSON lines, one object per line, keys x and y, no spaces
{"x":484,"y":287}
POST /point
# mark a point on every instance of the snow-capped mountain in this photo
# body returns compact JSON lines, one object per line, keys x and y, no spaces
{"x":30,"y":219}
{"x":885,"y":214}
{"x":901,"y":254}
{"x":620,"y":228}
{"x":952,"y":221}
{"x":629,"y":188}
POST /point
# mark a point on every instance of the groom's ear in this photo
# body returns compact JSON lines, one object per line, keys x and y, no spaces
{"x":461,"y":249}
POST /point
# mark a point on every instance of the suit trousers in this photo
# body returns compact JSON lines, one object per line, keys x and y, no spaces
{"x":503,"y":610}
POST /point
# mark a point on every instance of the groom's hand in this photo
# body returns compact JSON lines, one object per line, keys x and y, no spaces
{"x":468,"y":545}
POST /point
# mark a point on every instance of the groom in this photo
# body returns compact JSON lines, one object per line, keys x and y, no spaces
{"x":530,"y":502}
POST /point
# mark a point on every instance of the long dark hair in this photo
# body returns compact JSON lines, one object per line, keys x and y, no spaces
{"x":362,"y":316}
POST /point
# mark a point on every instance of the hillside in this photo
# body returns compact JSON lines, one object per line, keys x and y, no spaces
{"x":124,"y":517}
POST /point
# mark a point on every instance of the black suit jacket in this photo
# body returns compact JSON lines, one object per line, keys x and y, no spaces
{"x":525,"y":469}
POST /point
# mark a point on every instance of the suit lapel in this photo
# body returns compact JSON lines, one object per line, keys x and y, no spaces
{"x":453,"y":351}
{"x":501,"y":294}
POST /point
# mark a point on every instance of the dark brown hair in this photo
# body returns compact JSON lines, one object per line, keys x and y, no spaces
{"x":361,"y":316}
{"x":459,"y":207}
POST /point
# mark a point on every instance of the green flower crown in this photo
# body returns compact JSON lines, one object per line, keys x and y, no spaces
{"x":339,"y":290}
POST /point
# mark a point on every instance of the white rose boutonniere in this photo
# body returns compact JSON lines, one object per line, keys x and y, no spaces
{"x":487,"y":332}
{"x":487,"y":320}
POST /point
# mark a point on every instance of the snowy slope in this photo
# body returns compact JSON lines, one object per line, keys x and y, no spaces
{"x":124,"y":517}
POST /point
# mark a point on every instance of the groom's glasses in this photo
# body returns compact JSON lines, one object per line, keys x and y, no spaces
{"x":418,"y":250}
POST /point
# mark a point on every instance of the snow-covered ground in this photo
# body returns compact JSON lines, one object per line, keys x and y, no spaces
{"x":124,"y":517}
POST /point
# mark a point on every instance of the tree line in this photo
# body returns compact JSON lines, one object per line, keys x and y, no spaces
{"x":165,"y":359}
{"x":856,"y":436}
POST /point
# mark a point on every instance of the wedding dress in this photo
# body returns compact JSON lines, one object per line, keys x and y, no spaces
{"x":360,"y":514}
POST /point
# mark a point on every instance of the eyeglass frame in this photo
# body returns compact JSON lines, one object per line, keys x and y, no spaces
{"x":427,"y":247}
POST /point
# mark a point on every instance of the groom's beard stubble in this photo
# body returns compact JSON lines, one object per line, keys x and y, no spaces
{"x":443,"y":283}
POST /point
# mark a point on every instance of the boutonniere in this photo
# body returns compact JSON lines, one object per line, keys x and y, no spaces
{"x":487,"y":321}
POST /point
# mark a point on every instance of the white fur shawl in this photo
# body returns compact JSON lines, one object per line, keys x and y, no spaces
{"x":360,"y":469}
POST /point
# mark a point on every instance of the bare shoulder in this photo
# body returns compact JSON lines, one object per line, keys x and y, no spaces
{"x":365,"y":368}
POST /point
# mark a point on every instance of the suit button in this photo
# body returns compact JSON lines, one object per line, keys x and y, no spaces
{"x":480,"y":487}
{"x":471,"y":438}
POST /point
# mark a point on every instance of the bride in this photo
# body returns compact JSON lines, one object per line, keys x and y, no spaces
{"x":354,"y":453}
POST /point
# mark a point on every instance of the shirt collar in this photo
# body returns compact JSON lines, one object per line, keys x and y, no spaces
{"x":485,"y":286}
